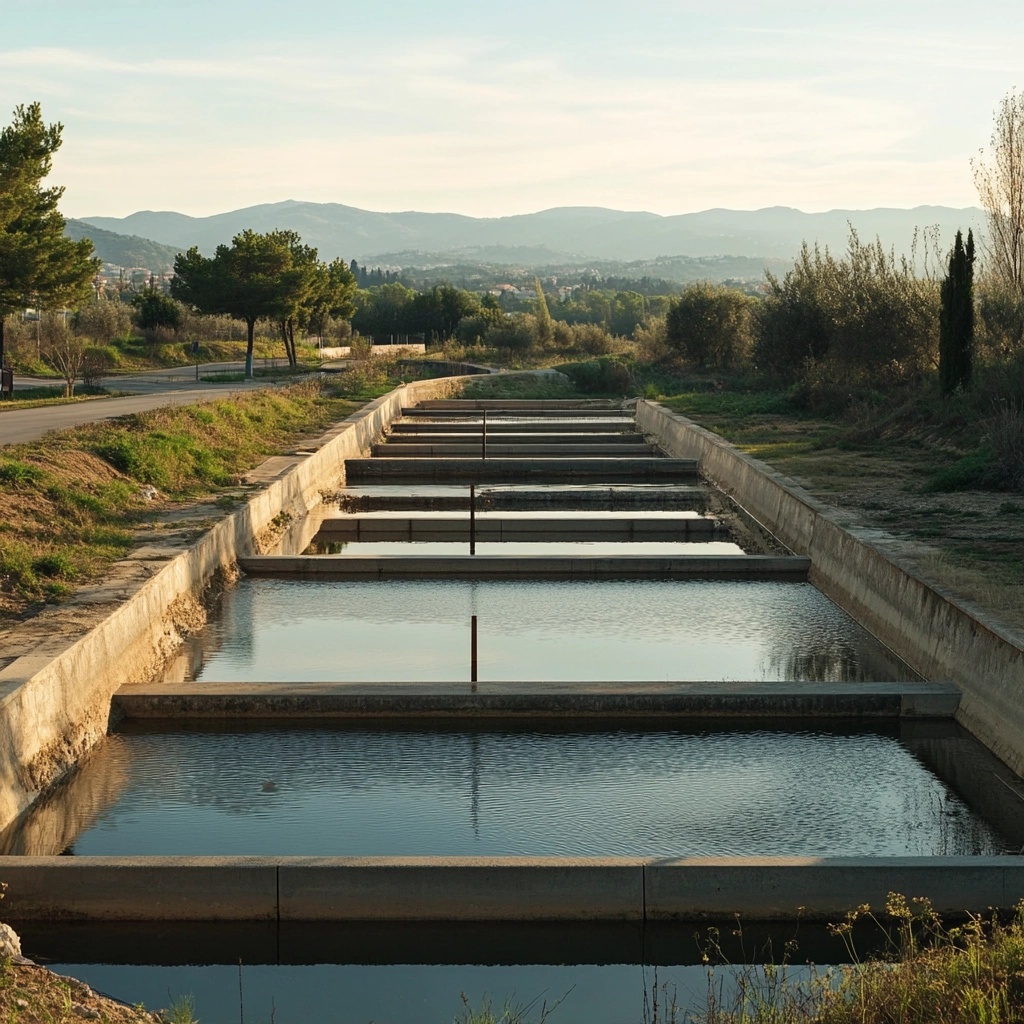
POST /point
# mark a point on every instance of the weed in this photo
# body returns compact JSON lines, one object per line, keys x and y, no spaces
{"x":17,"y":474}
{"x":969,"y":974}
{"x":966,"y":474}
{"x":536,"y":1011}
{"x":55,"y":565}
{"x":182,"y":1010}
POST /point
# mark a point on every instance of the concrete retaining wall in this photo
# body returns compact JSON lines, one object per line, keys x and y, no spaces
{"x":55,"y":701}
{"x":938,"y":635}
{"x":492,"y":888}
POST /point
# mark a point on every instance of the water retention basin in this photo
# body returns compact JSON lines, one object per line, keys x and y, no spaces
{"x":418,"y":630}
{"x":919,"y":790}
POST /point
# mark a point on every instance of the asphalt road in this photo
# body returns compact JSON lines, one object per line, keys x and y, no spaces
{"x":152,"y":390}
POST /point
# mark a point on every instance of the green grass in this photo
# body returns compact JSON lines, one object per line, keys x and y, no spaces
{"x":69,"y":503}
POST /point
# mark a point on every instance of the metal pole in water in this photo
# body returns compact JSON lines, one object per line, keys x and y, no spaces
{"x":472,"y":519}
{"x":483,"y":450}
{"x":472,"y":651}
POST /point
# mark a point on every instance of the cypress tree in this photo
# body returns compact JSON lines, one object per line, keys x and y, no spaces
{"x":956,"y":318}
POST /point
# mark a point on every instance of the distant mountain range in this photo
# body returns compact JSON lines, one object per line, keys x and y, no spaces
{"x":560,"y":235}
{"x":124,"y":250}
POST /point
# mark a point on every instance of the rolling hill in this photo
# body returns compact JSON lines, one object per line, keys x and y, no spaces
{"x":579,"y":233}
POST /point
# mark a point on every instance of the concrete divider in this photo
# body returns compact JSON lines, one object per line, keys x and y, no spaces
{"x":504,"y":450}
{"x":140,"y":888}
{"x":454,"y":429}
{"x":495,"y":888}
{"x":55,"y":700}
{"x":939,"y":635}
{"x":547,"y":567}
{"x":525,"y":470}
{"x":461,"y":889}
{"x":646,"y":701}
{"x":490,"y":526}
{"x":825,"y":888}
{"x":615,"y":498}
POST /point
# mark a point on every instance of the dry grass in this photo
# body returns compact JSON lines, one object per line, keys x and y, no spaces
{"x":34,"y":995}
{"x":968,"y":541}
{"x":71,"y":503}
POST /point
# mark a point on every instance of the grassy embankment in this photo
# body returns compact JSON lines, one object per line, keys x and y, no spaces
{"x":71,"y":502}
{"x":921,"y":469}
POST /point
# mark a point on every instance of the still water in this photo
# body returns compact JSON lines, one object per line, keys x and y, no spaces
{"x":419,"y":630}
{"x":347,"y":791}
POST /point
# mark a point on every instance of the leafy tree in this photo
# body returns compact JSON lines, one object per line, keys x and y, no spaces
{"x":253,"y":278}
{"x":1000,"y":183}
{"x":331,"y":296}
{"x":710,"y":324}
{"x":303,"y":273}
{"x":38,"y":263}
{"x":628,"y":312}
{"x":956,"y":318}
{"x":103,"y":320}
{"x":153,"y":310}
{"x":382,"y":309}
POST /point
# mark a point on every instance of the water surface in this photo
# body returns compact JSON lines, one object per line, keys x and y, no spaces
{"x":419,"y":630}
{"x":346,"y":791}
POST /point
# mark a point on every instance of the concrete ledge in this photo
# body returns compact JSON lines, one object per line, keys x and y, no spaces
{"x":494,"y":888}
{"x":691,"y":567}
{"x":660,"y":497}
{"x":608,"y":430}
{"x":556,"y":406}
{"x":553,"y":435}
{"x":492,"y":527}
{"x":782,"y":888}
{"x":536,"y":700}
{"x":499,"y":449}
{"x":140,"y":888}
{"x":525,"y":470}
{"x":462,"y":889}
{"x":939,"y":635}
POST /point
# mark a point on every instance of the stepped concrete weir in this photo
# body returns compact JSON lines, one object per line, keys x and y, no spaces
{"x":814,"y":686}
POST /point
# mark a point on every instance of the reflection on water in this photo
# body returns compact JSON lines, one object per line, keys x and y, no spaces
{"x":668,"y":793}
{"x":405,"y":993}
{"x":419,"y":630}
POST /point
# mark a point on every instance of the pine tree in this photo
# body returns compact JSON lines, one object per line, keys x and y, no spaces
{"x":39,"y":264}
{"x":956,"y":318}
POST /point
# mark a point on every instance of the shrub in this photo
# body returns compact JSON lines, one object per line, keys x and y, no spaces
{"x":604,"y":376}
{"x":1006,"y":439}
{"x":710,"y":325}
{"x":867,"y":310}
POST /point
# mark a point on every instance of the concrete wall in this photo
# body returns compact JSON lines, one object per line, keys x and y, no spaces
{"x":55,"y":700}
{"x":938,"y":635}
{"x":492,"y":888}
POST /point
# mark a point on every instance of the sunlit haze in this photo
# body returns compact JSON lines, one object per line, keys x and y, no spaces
{"x":203,"y":106}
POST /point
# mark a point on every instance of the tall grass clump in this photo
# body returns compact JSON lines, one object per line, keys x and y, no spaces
{"x":931,"y":974}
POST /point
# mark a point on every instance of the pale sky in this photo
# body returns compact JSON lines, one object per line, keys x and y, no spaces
{"x":203,"y":106}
